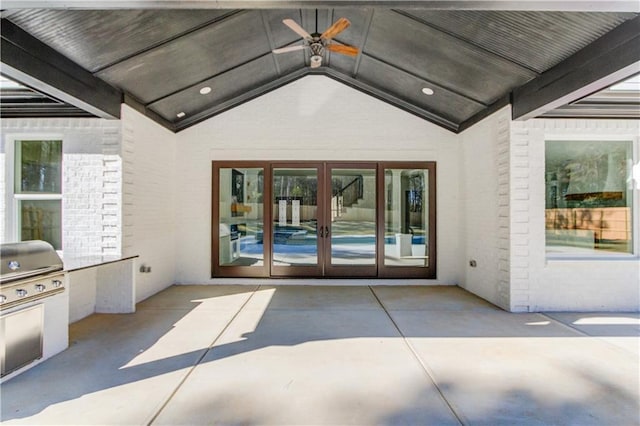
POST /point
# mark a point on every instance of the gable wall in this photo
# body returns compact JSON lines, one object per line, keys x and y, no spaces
{"x":314,"y":118}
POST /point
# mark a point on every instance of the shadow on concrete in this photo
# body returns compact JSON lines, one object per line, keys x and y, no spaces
{"x":105,"y":350}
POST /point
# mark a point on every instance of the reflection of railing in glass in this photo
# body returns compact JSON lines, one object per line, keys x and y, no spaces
{"x":345,"y":196}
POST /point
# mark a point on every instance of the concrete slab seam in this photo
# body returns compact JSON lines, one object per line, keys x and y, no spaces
{"x":427,"y":370}
{"x":204,"y":354}
{"x":583,"y":333}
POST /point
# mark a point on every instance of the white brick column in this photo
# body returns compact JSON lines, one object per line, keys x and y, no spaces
{"x":520,"y":217}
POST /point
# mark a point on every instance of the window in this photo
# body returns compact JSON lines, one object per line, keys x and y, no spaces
{"x":38,"y":190}
{"x":589,"y":197}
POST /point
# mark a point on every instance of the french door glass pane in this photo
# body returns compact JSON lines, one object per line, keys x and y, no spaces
{"x":241,"y":216}
{"x":406,"y":217}
{"x":295,"y":216}
{"x":353,"y":216}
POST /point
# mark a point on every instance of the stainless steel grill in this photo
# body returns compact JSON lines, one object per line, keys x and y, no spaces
{"x":31,"y":274}
{"x":30,"y":271}
{"x":27,"y":259}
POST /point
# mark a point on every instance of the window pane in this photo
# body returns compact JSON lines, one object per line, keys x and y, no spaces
{"x":588,"y":196}
{"x":406,"y":217}
{"x":40,"y":220}
{"x":241,"y":217}
{"x":38,"y":167}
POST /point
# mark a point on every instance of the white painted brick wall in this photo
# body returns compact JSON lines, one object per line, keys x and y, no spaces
{"x":520,"y":218}
{"x":91,"y":180}
{"x":485,"y":205}
{"x":303,"y":121}
{"x":133,"y":187}
{"x":149,"y":203}
{"x":546,"y":284}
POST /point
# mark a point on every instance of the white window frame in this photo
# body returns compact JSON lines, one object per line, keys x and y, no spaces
{"x":13,"y":221}
{"x":635,"y":197}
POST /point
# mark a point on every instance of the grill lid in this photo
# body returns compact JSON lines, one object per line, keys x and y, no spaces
{"x":27,"y":259}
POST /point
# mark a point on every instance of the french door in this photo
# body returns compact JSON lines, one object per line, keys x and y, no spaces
{"x":323,"y":219}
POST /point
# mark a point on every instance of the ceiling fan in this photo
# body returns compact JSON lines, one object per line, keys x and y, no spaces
{"x":317,"y":42}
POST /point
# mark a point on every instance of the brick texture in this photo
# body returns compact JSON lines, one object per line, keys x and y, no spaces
{"x":91,"y":196}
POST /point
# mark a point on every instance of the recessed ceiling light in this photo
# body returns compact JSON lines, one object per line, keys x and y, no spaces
{"x":427,"y":91}
{"x":205,"y":90}
{"x":180,"y":114}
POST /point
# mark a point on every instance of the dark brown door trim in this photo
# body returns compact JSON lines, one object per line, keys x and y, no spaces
{"x":324,"y":268}
{"x":386,"y":271}
{"x":230,"y":271}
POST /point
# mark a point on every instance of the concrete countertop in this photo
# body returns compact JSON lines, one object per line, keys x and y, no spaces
{"x":74,"y":263}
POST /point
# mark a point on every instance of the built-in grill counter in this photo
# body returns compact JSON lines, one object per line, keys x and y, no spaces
{"x":101,"y":284}
{"x":40,"y":295}
{"x":34,"y":306}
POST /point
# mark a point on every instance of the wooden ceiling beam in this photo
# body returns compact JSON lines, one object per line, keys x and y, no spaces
{"x":29,"y":61}
{"x":612,"y":58}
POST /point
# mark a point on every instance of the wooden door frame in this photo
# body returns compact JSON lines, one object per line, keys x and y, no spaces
{"x":230,"y":271}
{"x":429,"y":272}
{"x":324,"y":206}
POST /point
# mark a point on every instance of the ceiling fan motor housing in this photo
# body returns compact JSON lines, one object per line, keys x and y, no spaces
{"x":317,"y":42}
{"x":317,"y":50}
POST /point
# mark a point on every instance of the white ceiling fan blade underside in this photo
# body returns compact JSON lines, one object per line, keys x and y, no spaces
{"x":289,"y":49}
{"x":297,"y":28}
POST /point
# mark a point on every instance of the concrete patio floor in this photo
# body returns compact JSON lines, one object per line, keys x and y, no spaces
{"x":334,"y":355}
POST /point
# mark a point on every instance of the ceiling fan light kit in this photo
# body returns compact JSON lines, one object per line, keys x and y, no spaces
{"x":318,"y":43}
{"x":316,"y":61}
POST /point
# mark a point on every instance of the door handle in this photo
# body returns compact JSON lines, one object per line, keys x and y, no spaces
{"x":323,"y":231}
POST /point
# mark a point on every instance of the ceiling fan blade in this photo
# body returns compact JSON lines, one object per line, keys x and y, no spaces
{"x":337,"y":27}
{"x":342,"y":49}
{"x":289,"y":49}
{"x":296,"y":28}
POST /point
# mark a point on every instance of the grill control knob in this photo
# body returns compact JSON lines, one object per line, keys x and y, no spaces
{"x":21,"y":292}
{"x":40,"y":288}
{"x":56,"y":283}
{"x":3,"y":298}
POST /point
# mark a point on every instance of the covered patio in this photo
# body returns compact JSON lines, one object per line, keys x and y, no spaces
{"x":334,"y":355}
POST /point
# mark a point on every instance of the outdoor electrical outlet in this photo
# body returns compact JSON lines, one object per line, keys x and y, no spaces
{"x":473,"y":263}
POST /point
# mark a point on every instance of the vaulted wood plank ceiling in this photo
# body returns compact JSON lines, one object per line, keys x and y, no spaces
{"x":474,"y":61}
